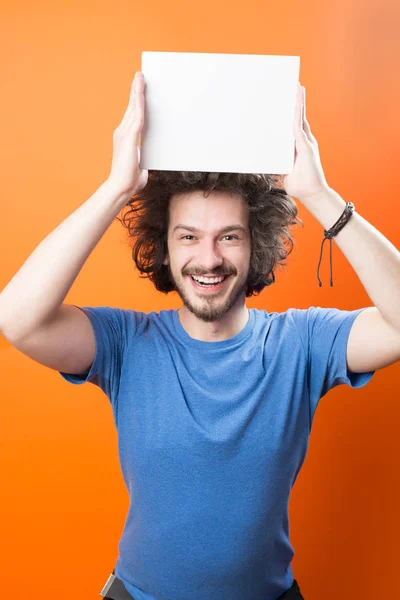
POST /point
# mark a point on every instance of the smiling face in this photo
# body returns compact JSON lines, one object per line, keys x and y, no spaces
{"x":209,"y":251}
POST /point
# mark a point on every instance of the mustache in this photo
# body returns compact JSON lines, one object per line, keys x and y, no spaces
{"x":217,"y":271}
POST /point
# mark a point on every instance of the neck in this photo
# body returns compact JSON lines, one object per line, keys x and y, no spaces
{"x":216,"y":331}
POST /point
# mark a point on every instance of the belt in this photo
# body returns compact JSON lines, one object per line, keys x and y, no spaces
{"x":114,"y":589}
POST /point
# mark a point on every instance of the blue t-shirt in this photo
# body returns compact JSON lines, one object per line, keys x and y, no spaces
{"x":211,"y":438}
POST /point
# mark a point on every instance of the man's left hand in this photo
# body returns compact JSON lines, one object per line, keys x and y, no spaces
{"x":307,"y":180}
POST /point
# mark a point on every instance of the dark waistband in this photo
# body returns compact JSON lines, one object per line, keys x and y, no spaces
{"x":115,"y":589}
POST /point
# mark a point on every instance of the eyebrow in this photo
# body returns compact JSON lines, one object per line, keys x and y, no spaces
{"x":223,"y":230}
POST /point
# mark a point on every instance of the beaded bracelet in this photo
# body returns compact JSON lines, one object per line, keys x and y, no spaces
{"x":338,"y":226}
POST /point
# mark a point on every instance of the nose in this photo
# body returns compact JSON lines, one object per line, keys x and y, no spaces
{"x":209,"y":255}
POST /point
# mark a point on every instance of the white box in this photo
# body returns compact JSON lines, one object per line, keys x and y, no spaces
{"x":231,"y":113}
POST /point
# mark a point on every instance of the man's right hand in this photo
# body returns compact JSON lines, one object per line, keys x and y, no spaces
{"x":125,"y":175}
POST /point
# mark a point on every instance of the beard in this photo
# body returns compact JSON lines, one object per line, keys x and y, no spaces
{"x":209,"y":311}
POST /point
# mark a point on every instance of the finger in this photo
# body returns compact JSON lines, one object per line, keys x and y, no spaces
{"x":139,"y":99}
{"x":297,"y":113}
{"x":299,"y":133}
{"x":137,"y":89}
{"x":306,"y":125}
{"x":131,"y":104}
{"x":307,"y":130}
{"x":135,"y":118}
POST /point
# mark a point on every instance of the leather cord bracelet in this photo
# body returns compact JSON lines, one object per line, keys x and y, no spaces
{"x":334,"y":230}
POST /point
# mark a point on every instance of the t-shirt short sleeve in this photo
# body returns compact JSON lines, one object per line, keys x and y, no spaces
{"x":325,"y":332}
{"x":112,"y":329}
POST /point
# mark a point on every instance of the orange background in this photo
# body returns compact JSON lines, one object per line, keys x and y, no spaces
{"x":66,"y":73}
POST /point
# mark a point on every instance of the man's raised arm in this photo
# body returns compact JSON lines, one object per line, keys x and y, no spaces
{"x":33,"y":298}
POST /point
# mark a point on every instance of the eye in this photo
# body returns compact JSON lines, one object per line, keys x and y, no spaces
{"x":185,"y":237}
{"x":235,"y":237}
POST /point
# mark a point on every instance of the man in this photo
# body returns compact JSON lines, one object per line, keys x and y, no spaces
{"x":214,"y":402}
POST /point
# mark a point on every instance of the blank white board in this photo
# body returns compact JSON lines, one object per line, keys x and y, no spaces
{"x":222,"y":113}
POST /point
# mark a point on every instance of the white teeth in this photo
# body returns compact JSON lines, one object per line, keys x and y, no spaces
{"x":208,"y":279}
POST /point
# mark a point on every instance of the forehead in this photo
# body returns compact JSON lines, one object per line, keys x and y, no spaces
{"x":193,"y":208}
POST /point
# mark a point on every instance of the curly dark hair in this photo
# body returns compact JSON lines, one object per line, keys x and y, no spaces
{"x":272,"y":212}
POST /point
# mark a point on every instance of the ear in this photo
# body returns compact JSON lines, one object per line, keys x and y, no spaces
{"x":166,"y":260}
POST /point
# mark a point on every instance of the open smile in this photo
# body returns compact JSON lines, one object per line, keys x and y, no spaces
{"x":209,"y":284}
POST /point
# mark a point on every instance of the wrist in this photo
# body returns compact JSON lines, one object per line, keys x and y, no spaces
{"x":317,"y":196}
{"x":326,"y":207}
{"x":115,"y":193}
